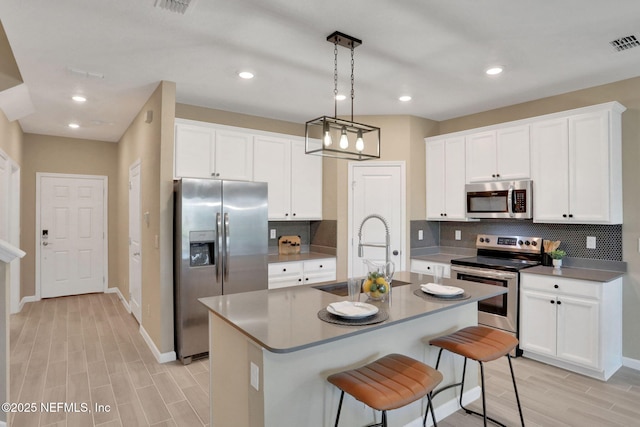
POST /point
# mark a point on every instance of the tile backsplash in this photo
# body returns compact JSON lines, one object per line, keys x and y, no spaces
{"x":573,"y":236}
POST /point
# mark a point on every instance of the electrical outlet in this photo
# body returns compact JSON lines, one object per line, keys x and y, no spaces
{"x":272,"y":233}
{"x":420,"y":234}
{"x":591,"y":242}
{"x":255,"y":376}
{"x":458,"y":235}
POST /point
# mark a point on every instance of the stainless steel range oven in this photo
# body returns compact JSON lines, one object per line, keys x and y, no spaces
{"x":498,"y":263}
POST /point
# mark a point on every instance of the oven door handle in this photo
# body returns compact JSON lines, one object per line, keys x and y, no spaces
{"x":493,"y":274}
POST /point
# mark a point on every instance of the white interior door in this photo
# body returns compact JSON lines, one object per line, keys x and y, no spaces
{"x":135,"y":247}
{"x":71,"y":235}
{"x":376,"y":188}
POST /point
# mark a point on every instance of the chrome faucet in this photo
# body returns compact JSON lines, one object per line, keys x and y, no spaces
{"x":387,"y":244}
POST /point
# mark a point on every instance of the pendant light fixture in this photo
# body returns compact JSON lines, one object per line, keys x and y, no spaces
{"x":339,"y":138}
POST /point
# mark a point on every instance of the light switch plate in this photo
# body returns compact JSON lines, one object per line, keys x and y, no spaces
{"x":255,"y":376}
{"x":420,"y":234}
{"x":591,"y":242}
{"x":458,"y":235}
{"x":272,"y":233}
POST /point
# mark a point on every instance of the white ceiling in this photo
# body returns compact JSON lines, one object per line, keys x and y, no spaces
{"x":434,"y":50}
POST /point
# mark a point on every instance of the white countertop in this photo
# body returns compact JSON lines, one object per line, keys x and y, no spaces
{"x":286,"y":320}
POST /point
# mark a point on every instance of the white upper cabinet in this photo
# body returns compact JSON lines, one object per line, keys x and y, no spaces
{"x":306,"y":183}
{"x":234,"y":155}
{"x":294,"y":178}
{"x":206,"y":150}
{"x":577,"y":167}
{"x":202,"y":151}
{"x":272,"y":164}
{"x":501,"y":154}
{"x":445,"y":179}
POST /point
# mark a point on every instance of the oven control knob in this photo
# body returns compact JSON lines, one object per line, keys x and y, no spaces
{"x":527,"y":242}
{"x":534,"y":243}
{"x":482,"y":240}
{"x":520,"y":242}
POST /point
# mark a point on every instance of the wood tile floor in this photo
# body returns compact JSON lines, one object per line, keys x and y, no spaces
{"x":87,"y":349}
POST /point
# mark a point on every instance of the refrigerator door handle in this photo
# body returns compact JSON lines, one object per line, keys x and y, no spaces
{"x":216,"y":249}
{"x":225,"y":270}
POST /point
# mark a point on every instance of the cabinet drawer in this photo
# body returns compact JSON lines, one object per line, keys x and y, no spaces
{"x":427,"y":267}
{"x":285,"y":269}
{"x":320,"y":265}
{"x":561,"y":286}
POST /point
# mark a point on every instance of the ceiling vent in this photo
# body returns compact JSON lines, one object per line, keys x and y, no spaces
{"x":178,"y":6}
{"x":625,"y":43}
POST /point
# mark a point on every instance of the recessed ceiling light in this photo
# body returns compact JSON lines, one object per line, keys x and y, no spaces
{"x":341,"y":97}
{"x":79,"y":98}
{"x":494,"y":71}
{"x":74,"y":125}
{"x":405,"y":98}
{"x":245,"y":75}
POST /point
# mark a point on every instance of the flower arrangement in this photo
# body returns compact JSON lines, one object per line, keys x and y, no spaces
{"x":557,"y":254}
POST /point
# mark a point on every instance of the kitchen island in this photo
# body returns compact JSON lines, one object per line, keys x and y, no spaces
{"x":270,"y":354}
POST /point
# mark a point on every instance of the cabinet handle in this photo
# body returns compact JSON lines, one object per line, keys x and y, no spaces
{"x":294,"y":214}
{"x":429,"y":268}
{"x":395,"y":252}
{"x":498,"y":175}
{"x":559,"y":302}
{"x":493,"y":175}
{"x":306,"y":278}
{"x":284,"y":269}
{"x":552,"y":302}
{"x":556,"y":286}
{"x":320,"y":265}
{"x":570,"y":215}
{"x":286,"y":214}
{"x":445,"y":214}
{"x":564,"y":215}
{"x":299,"y":280}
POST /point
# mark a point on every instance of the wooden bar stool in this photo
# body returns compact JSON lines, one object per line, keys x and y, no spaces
{"x":390,"y":382}
{"x":481,"y":344}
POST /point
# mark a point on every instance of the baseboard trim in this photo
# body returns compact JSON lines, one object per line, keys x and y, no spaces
{"x":160,"y":357}
{"x":116,"y":290}
{"x":23,"y":301}
{"x":448,"y":408}
{"x":631,"y":363}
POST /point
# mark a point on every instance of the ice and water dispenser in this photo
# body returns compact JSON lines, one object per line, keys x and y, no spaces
{"x":201,"y":248}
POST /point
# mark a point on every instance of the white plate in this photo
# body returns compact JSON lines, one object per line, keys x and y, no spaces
{"x":364,"y":310}
{"x":441,"y":290}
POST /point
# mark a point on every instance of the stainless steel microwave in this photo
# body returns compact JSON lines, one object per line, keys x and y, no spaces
{"x":500,"y":199}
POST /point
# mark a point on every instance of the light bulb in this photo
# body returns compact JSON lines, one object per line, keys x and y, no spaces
{"x":359,"y":141}
{"x":326,"y":138}
{"x":344,"y":141}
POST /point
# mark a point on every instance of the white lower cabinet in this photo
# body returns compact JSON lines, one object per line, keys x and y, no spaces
{"x":573,"y":324}
{"x":285,"y":274}
{"x":427,"y":267}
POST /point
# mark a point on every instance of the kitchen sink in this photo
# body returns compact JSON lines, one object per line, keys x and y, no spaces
{"x":340,"y":289}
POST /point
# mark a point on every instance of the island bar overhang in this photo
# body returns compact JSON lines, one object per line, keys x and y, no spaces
{"x":270,"y":355}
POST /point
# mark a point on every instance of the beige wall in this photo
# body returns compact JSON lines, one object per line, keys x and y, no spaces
{"x":11,"y":137}
{"x":54,"y":154}
{"x":151,"y":143}
{"x":9,"y":72}
{"x":227,"y":118}
{"x":625,"y":92}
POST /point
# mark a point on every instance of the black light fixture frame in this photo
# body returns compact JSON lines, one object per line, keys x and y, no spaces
{"x":315,"y":128}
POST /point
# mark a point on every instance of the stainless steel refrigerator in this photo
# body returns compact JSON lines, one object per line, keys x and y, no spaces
{"x":220,"y":248}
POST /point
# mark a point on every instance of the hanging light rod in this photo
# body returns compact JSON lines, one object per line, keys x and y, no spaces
{"x":322,"y":134}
